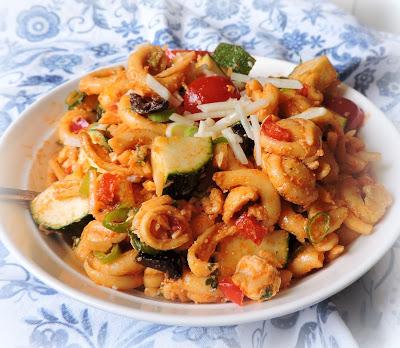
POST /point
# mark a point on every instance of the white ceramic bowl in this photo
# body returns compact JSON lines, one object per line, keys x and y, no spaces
{"x":50,"y":260}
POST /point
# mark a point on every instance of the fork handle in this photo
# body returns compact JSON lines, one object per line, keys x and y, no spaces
{"x":13,"y":194}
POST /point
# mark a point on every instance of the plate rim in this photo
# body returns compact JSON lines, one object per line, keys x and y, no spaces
{"x":187,"y":320}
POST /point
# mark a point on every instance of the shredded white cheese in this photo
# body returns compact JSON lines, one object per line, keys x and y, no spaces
{"x":208,"y":115}
{"x":218,"y":106}
{"x":276,"y":81}
{"x":161,"y":90}
{"x":234,"y":144}
{"x":283,"y":83}
{"x":311,"y":113}
{"x":204,"y":131}
{"x":244,"y":121}
{"x":180,"y":119}
{"x":256,"y":133}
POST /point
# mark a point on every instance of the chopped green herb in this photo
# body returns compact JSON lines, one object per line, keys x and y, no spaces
{"x":212,"y":279}
{"x":74,"y":99}
{"x":267,"y":293}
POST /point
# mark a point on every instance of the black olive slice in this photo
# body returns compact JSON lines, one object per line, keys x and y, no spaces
{"x":168,"y":262}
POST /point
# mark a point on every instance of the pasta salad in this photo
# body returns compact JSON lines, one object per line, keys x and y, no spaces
{"x":184,"y":177}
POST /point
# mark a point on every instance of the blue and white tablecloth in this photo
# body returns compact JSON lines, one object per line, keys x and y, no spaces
{"x":43,"y":43}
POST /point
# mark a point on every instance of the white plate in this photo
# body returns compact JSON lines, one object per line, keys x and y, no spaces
{"x":49,"y":259}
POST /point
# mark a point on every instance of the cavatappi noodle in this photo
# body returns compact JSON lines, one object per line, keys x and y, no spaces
{"x":196,"y":182}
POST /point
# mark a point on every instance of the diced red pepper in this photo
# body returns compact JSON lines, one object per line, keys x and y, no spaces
{"x":78,"y":124}
{"x":273,"y":130}
{"x":107,"y":189}
{"x":304,"y":90}
{"x":231,"y":291}
{"x":249,"y":227}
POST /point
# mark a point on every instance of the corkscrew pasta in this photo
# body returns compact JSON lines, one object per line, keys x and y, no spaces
{"x":186,"y":178}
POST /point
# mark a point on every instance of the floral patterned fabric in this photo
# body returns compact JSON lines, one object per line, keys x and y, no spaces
{"x":45,"y":43}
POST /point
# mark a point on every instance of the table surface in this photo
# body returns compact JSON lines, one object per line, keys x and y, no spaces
{"x":45,"y":43}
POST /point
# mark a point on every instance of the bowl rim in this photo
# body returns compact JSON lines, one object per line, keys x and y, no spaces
{"x":184,"y":320}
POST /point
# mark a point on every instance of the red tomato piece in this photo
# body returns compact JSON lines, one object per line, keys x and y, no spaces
{"x":249,"y":227}
{"x":231,"y":291}
{"x":347,"y":108}
{"x":172,"y":53}
{"x":273,"y":130}
{"x":107,"y":189}
{"x":77,"y":124}
{"x":209,"y":89}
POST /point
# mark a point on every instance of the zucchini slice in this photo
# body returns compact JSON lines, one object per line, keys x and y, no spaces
{"x":55,"y":214}
{"x":232,"y":249}
{"x":178,"y":163}
{"x":232,"y":56}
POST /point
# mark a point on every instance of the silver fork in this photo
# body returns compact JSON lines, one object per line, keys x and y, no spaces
{"x":13,"y":194}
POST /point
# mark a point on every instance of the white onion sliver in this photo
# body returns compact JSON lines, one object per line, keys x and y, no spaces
{"x":283,"y":83}
{"x":256,"y":132}
{"x":206,"y":115}
{"x":180,"y":119}
{"x":311,"y":113}
{"x":244,"y":121}
{"x":236,"y":148}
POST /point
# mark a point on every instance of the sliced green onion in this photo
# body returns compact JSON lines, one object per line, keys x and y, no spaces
{"x":74,"y":99}
{"x":220,"y":140}
{"x":110,"y":257}
{"x":161,"y":116}
{"x":140,"y":246}
{"x":84,"y":188}
{"x":115,"y":220}
{"x":326,"y":221}
{"x":98,"y":127}
{"x":190,"y":131}
{"x":99,"y":139}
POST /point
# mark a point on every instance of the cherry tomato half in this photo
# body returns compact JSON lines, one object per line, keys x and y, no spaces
{"x":248,"y":227}
{"x":78,"y":124}
{"x":347,"y":108}
{"x":107,"y":189}
{"x":231,"y":291}
{"x":172,"y":53}
{"x":209,"y":89}
{"x":273,"y":130}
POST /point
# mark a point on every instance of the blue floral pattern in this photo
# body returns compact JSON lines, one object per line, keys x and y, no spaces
{"x":37,"y":24}
{"x":47,"y":42}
